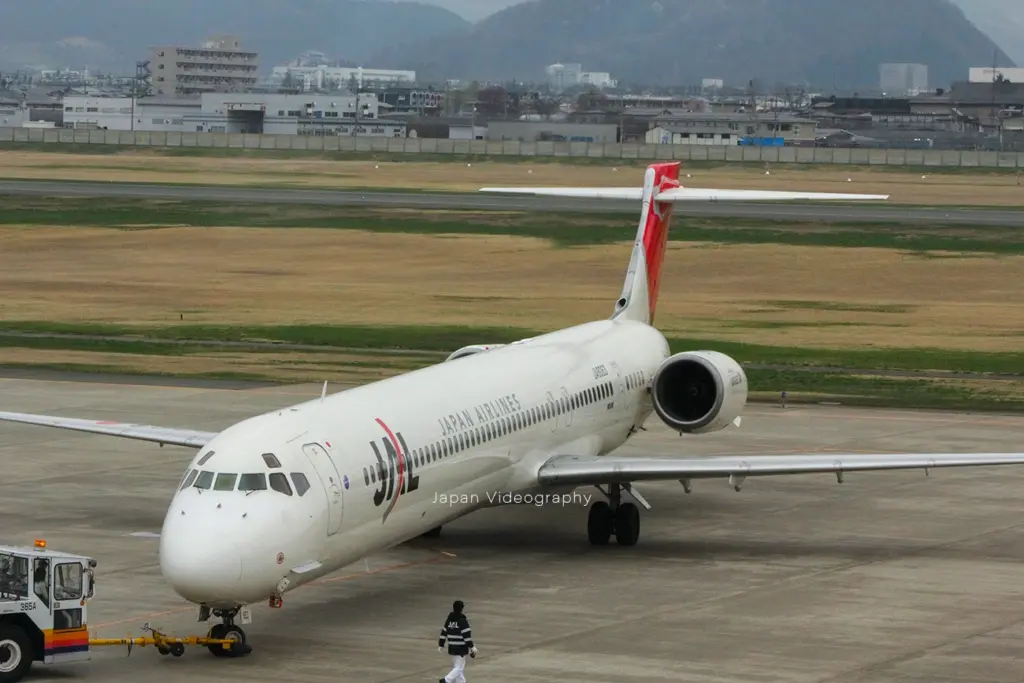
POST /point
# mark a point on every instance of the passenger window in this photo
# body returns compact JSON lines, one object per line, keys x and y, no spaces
{"x":433,"y":453}
{"x":225,"y":482}
{"x":301,"y":483}
{"x":67,"y":582}
{"x":204,"y":481}
{"x":253,"y":482}
{"x":279,"y":483}
{"x":272,"y":461}
{"x":202,"y":460}
{"x":451,"y":446}
{"x":373,"y":475}
{"x":189,"y":479}
{"x":366,"y":476}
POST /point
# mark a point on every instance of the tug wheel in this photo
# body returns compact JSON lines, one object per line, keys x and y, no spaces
{"x":15,"y":653}
{"x":177,"y":649}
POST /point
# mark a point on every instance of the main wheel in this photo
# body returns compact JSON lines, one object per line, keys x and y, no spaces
{"x":627,"y":524}
{"x":15,"y":653}
{"x":599,"y":523}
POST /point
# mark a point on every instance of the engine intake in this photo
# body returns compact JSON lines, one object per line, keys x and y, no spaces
{"x":699,"y":391}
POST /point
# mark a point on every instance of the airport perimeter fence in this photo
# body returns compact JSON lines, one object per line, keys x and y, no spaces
{"x":610,"y":151}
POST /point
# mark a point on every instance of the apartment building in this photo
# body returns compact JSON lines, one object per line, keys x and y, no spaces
{"x":218,"y":65}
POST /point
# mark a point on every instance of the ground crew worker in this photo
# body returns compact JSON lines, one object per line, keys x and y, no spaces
{"x":460,"y":642}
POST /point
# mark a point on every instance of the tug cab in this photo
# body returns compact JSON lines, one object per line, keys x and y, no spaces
{"x":44,"y":598}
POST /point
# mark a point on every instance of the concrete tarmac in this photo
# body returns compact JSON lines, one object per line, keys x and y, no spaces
{"x":824,"y":212}
{"x":894,"y":576}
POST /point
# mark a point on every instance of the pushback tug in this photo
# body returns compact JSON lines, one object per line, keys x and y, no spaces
{"x":44,"y":602}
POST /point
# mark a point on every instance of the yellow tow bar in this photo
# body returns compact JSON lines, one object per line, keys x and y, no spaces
{"x":165,"y":644}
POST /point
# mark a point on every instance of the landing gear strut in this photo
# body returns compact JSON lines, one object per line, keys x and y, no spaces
{"x":226,"y":630}
{"x":613,"y":518}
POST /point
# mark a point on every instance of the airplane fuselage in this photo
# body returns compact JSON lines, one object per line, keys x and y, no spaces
{"x":391,"y":460}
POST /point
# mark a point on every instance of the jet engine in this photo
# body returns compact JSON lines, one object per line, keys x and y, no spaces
{"x":699,"y":391}
{"x":470,"y":350}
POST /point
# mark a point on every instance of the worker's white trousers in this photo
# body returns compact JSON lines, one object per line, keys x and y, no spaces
{"x":458,"y":666}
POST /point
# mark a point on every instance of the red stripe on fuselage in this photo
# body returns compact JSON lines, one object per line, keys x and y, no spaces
{"x":400,"y":467}
{"x":666,"y":176}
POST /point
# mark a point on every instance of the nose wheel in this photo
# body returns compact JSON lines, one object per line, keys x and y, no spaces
{"x":227,"y":630}
{"x":613,"y":518}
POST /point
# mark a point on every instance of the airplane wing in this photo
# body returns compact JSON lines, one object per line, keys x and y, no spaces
{"x":161,"y":435}
{"x":590,"y":470}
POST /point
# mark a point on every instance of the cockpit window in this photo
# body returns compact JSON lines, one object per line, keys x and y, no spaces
{"x":202,"y":460}
{"x":279,"y":483}
{"x":225,"y":482}
{"x":272,"y":461}
{"x":204,"y":481}
{"x":301,"y":483}
{"x":189,"y":479}
{"x":253,"y":482}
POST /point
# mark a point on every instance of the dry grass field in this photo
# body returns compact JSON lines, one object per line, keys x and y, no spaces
{"x":766,"y":294}
{"x":951,"y":189}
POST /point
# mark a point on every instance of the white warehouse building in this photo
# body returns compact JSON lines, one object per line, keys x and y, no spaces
{"x":275,"y":114}
{"x":329,"y":77}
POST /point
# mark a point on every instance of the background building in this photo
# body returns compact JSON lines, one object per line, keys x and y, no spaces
{"x":278,"y":114}
{"x":219,"y":65}
{"x":319,"y":77}
{"x":986,"y":74}
{"x":903,"y":79}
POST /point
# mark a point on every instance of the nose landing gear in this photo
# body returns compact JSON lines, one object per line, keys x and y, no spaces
{"x":227,"y":630}
{"x":613,"y":518}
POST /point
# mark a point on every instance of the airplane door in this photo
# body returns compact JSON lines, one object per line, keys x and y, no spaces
{"x":331,"y":479}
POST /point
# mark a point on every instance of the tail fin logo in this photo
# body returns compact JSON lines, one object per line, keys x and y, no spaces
{"x":656,"y":228}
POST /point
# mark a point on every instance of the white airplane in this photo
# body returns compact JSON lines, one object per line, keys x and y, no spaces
{"x":281,"y":499}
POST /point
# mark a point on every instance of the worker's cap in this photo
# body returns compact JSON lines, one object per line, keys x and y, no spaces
{"x":458,"y":605}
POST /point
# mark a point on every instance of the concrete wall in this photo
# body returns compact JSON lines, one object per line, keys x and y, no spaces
{"x":781,"y":155}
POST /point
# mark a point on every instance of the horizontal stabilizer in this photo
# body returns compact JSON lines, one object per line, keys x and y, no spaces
{"x":683,"y":194}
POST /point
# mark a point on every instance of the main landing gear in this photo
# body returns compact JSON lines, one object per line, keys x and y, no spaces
{"x":226,"y":630}
{"x":613,"y":518}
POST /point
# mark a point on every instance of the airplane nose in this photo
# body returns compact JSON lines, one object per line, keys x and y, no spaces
{"x":201,"y":567}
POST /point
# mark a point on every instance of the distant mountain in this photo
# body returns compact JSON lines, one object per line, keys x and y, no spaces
{"x":114,"y":34}
{"x":1002,"y":21}
{"x":474,"y":10}
{"x":662,"y":42}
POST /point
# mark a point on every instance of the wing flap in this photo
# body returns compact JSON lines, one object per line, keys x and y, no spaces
{"x":570,"y":469}
{"x":162,"y":435}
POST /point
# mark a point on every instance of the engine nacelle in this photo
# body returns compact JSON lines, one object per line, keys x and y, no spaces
{"x":699,"y":391}
{"x":470,"y":350}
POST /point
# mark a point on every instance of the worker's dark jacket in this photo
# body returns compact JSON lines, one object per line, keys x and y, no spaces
{"x":456,"y":631}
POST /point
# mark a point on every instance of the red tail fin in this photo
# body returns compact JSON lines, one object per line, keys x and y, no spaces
{"x":643,"y":279}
